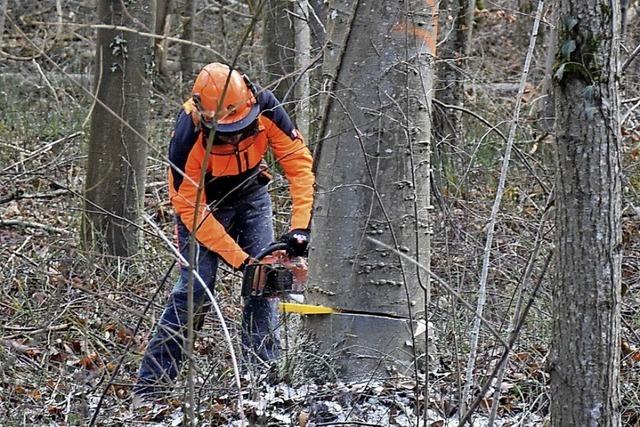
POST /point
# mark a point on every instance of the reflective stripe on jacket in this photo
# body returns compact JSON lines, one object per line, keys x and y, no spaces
{"x":232,"y":171}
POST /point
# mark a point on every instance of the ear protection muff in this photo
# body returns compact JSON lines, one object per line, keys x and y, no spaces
{"x":251,"y":86}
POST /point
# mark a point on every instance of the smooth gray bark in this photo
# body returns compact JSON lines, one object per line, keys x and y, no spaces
{"x":302,"y":63}
{"x":373,"y":164}
{"x":585,"y":357}
{"x":117,"y":148}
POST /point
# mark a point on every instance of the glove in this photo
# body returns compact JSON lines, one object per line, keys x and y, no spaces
{"x":244,"y":264}
{"x":297,"y":241}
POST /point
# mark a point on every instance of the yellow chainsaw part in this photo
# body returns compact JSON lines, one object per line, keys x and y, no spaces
{"x":293,"y":307}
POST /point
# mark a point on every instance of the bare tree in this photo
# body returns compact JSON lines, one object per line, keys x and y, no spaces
{"x":279,"y":48}
{"x":164,"y":16}
{"x":117,"y":148}
{"x":302,"y":11}
{"x":585,"y":358}
{"x":187,"y":15}
{"x":287,"y":56}
{"x":456,"y":23}
{"x":3,"y":10}
{"x":372,"y":178}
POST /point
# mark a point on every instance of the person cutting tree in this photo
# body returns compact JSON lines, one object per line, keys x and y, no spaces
{"x":231,"y":216}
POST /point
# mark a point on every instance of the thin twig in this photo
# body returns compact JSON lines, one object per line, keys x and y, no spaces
{"x":214,"y":304}
{"x":129,"y":343}
{"x":518,"y":309}
{"x":48,"y":83}
{"x":126,"y":29}
{"x":512,"y":339}
{"x":482,"y":292}
{"x":630,"y":59}
{"x":494,"y":128}
{"x":17,"y":252}
{"x":42,"y":150}
{"x":446,"y":286}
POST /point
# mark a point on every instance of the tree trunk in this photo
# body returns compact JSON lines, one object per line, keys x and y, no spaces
{"x":546,"y":106}
{"x":164,"y":13}
{"x":287,"y":54}
{"x":279,"y":49}
{"x":524,"y":17}
{"x":317,"y":19}
{"x":317,"y":13}
{"x":373,"y":181}
{"x":585,"y":357}
{"x":117,"y":148}
{"x":456,"y":19}
{"x":186,"y":50}
{"x":303,"y":61}
{"x":3,"y":10}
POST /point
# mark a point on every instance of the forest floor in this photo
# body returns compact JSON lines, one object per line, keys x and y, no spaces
{"x":70,"y":336}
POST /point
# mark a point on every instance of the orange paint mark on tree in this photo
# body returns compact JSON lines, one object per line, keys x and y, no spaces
{"x":426,"y":33}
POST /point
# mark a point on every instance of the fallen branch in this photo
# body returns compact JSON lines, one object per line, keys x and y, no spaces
{"x":30,"y":224}
{"x":18,"y":195}
{"x":25,"y":330}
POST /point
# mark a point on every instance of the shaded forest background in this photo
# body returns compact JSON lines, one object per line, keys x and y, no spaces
{"x":68,"y":315}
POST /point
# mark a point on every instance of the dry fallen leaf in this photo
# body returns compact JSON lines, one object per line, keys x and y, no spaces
{"x":303,"y":419}
{"x":90,"y":361}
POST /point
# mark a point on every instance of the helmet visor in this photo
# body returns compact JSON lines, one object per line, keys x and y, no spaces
{"x":208,"y":119}
{"x":232,"y":138}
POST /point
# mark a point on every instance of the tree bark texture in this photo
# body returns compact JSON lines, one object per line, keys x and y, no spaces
{"x":585,"y":357}
{"x":547,"y":105}
{"x":317,"y":17}
{"x":3,"y":10}
{"x":456,"y":21}
{"x":373,"y":164}
{"x":117,"y":147}
{"x":186,"y":50}
{"x":280,"y":49}
{"x":164,"y":13}
{"x":302,"y":63}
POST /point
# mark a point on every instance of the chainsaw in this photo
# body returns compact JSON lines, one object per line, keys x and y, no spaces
{"x":273,"y":273}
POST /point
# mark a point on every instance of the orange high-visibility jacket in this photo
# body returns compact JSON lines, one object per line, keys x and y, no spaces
{"x":235,"y":170}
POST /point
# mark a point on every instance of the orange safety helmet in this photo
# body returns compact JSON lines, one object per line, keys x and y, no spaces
{"x":238,"y":109}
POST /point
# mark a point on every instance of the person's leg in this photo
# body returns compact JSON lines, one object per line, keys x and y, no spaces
{"x":254,"y":230}
{"x":163,"y":357}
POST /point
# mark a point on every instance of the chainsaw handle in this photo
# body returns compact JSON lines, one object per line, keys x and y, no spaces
{"x":273,"y":247}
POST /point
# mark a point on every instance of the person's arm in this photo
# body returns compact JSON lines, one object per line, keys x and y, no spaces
{"x":294,"y":157}
{"x":186,"y":156}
